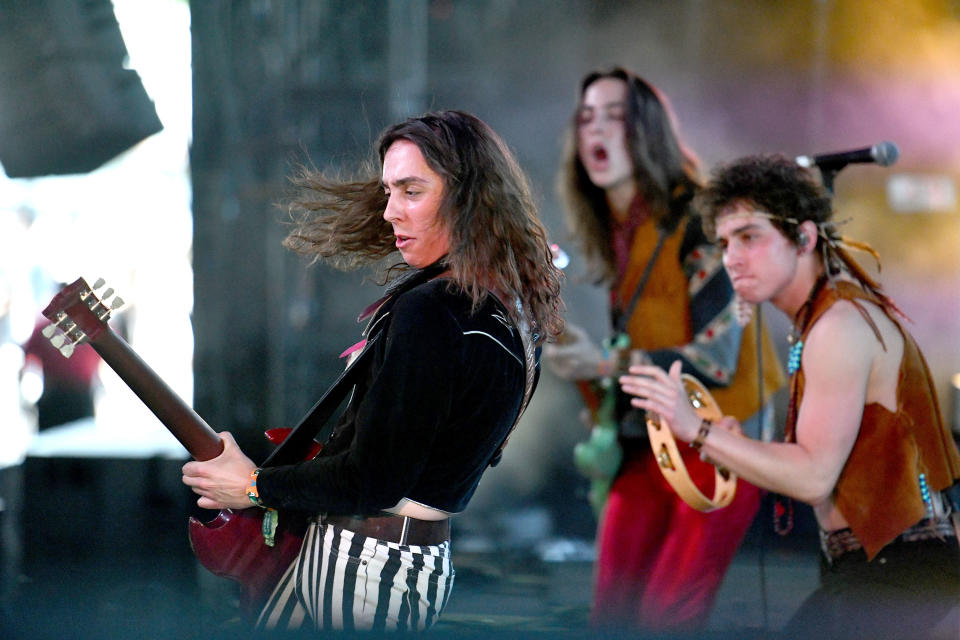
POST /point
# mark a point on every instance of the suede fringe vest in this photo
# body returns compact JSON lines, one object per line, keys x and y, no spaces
{"x":878,"y":491}
{"x":662,"y":320}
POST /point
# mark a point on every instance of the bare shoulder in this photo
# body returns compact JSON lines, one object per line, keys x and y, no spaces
{"x":845,"y":320}
{"x":847,"y":343}
{"x":843,"y":331}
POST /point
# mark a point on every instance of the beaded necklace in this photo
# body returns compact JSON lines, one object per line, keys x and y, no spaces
{"x":800,"y":321}
{"x":783,"y":507}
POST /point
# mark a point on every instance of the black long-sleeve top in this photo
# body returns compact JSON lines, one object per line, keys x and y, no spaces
{"x":441,"y":392}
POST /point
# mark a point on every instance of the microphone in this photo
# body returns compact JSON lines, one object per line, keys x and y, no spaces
{"x":882,"y":153}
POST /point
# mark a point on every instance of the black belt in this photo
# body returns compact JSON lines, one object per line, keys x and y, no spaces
{"x":834,"y":544}
{"x":393,"y":528}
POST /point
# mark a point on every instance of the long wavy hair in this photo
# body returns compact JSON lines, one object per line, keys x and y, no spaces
{"x":666,"y":172}
{"x":497,"y":242}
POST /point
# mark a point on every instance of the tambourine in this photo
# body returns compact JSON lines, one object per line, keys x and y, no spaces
{"x":670,"y":462}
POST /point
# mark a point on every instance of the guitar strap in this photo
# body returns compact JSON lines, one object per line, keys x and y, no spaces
{"x":680,"y":197}
{"x":529,"y":353}
{"x":630,"y":424}
{"x":292,"y":448}
{"x":623,"y":318}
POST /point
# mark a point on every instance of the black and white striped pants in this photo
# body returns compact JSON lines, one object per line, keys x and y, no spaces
{"x":344,"y":580}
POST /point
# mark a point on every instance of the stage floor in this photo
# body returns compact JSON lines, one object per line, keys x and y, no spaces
{"x":95,"y":543}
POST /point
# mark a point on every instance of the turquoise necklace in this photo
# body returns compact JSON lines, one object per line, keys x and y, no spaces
{"x":796,"y":350}
{"x":795,"y":337}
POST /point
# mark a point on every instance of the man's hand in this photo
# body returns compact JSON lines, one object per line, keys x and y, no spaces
{"x":222,"y":482}
{"x":576,"y":357}
{"x":663,"y":393}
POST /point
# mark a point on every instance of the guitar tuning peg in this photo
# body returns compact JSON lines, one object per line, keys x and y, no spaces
{"x":51,"y":328}
{"x":67,"y":349}
{"x":116,"y":303}
{"x":107,"y":293}
{"x":99,"y":283}
{"x":58,"y":340}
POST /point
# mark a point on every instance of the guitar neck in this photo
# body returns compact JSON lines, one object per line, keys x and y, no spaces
{"x":179,"y":418}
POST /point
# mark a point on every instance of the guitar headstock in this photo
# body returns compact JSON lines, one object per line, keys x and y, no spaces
{"x":78,"y":314}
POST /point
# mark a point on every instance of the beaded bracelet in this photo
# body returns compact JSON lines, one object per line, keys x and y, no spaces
{"x":252,"y":492}
{"x":702,"y":434}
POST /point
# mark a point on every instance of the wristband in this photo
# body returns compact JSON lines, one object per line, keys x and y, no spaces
{"x":606,"y":367}
{"x":252,"y":491}
{"x":702,"y":434}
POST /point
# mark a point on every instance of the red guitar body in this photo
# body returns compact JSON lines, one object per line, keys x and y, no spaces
{"x":232,"y":544}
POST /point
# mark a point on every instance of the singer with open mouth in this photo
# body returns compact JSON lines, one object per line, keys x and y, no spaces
{"x":627,"y":182}
{"x":865,"y":443}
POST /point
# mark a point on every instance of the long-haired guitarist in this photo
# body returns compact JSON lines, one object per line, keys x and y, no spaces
{"x":865,"y":442}
{"x":449,"y":363}
{"x":628,"y":181}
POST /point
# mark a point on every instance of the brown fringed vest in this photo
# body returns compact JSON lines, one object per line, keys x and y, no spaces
{"x":878,"y":491}
{"x":662,"y":320}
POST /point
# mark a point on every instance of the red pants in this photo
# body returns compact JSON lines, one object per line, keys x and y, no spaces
{"x":660,"y":561}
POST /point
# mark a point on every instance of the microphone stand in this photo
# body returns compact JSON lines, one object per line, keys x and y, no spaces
{"x":827,"y":176}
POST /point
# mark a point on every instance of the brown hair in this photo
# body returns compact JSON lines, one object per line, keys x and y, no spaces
{"x":789,"y":195}
{"x":497,"y":242}
{"x":665,"y":170}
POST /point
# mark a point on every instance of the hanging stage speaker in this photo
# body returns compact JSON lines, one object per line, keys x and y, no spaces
{"x":67,"y":103}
